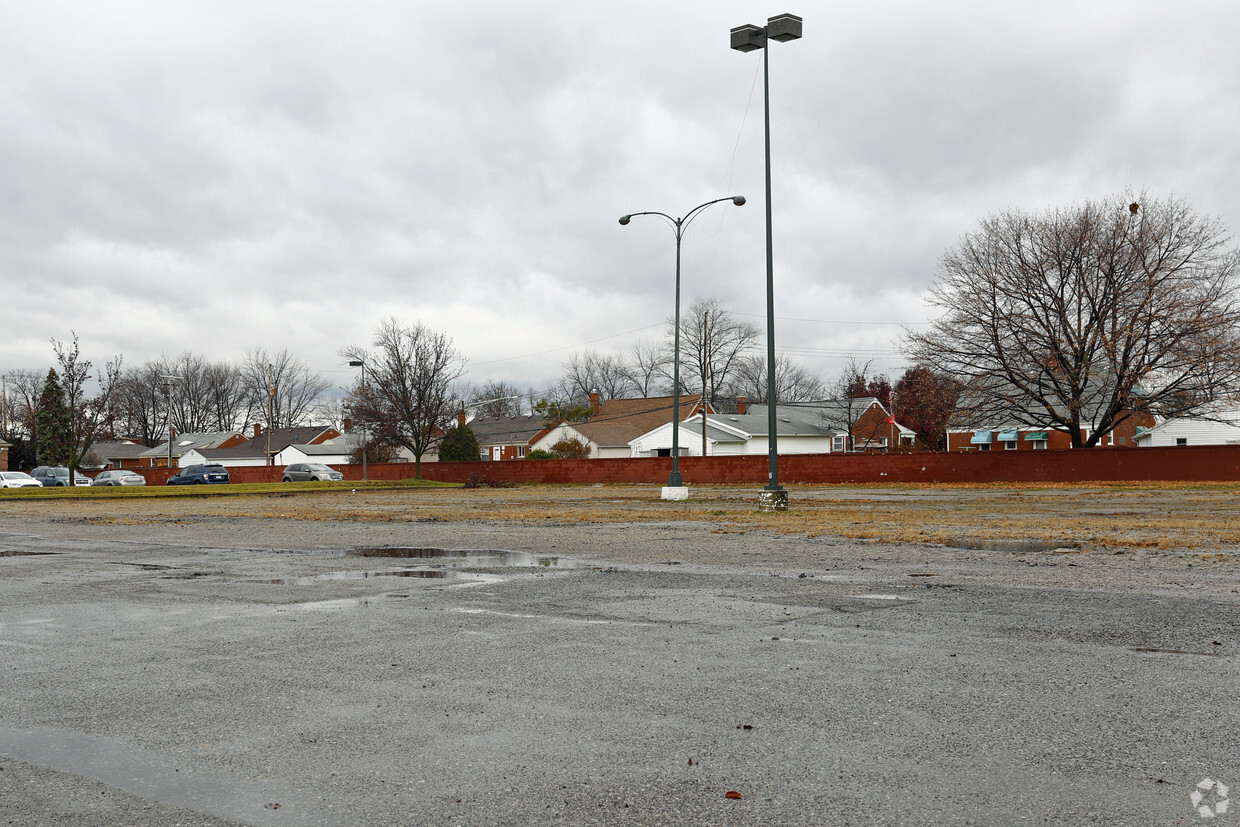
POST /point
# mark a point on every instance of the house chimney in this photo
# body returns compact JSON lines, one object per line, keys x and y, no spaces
{"x":742,"y":405}
{"x":593,"y":402}
{"x":258,"y":429}
{"x":172,"y":434}
{"x":348,"y":424}
{"x":460,"y":416}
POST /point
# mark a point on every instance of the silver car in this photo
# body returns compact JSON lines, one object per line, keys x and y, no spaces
{"x":310,"y":472}
{"x":119,"y":476}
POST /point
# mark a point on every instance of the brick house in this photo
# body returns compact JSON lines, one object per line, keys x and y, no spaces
{"x":507,"y":437}
{"x":992,"y":422}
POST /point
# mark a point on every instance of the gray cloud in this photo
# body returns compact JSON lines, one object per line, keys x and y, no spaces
{"x":284,"y":174}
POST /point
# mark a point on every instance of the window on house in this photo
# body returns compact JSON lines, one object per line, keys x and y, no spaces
{"x":1038,"y":444}
{"x":985,"y":446}
{"x":1010,"y":445}
{"x":1181,"y":440}
{"x":520,"y":452}
{"x":1123,"y":440}
{"x":837,"y":443}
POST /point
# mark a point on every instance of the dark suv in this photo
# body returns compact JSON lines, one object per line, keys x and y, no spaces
{"x":54,"y":475}
{"x":199,"y":474}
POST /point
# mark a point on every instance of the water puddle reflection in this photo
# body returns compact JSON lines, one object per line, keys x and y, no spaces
{"x":155,"y":778}
{"x":421,"y":573}
{"x":471,"y":556}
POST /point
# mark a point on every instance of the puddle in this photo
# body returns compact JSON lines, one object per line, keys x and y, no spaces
{"x":471,"y":556}
{"x":155,"y":777}
{"x":26,"y":553}
{"x":423,"y":573}
{"x":1018,"y":546}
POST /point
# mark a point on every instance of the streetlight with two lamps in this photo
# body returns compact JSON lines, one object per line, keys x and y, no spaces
{"x":783,"y":27}
{"x":675,"y":489}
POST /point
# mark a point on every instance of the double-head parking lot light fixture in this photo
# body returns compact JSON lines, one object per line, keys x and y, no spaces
{"x":783,"y":27}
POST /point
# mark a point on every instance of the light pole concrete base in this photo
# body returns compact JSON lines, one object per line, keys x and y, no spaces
{"x":773,"y":500}
{"x":675,"y":492}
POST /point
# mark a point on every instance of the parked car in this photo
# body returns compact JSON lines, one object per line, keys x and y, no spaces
{"x":58,"y":475}
{"x":18,"y":479}
{"x":310,"y":472}
{"x":199,"y":474}
{"x":119,"y":476}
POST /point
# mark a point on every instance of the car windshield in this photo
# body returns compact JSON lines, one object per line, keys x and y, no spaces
{"x":317,"y":467}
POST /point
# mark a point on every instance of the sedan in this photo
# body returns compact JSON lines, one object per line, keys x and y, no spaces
{"x":18,"y":479}
{"x":199,"y":474}
{"x":119,"y":476}
{"x":311,"y":472}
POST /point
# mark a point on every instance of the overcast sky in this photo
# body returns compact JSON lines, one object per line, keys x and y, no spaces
{"x":219,"y":176}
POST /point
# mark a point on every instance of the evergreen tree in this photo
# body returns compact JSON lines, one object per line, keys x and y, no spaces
{"x":459,"y":445}
{"x":53,"y":430}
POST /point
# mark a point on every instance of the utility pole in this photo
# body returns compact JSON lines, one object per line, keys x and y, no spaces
{"x":271,"y":400}
{"x":168,"y":380}
{"x":706,"y":373}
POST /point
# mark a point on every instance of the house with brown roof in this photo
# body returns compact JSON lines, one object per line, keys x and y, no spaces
{"x":616,"y":422}
{"x":255,"y":451}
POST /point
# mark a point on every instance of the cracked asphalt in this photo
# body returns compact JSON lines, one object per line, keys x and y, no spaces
{"x":195,"y":668}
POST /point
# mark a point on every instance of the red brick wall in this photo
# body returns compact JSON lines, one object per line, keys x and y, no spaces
{"x":1193,"y":463}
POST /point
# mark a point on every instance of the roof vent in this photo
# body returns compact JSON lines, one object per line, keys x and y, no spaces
{"x":185,"y":442}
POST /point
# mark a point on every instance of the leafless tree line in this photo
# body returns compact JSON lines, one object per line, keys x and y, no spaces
{"x":720,"y":357}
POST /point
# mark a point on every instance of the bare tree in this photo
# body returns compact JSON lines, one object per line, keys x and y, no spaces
{"x":282,"y":388}
{"x":90,"y":417}
{"x":589,"y":370}
{"x":1077,"y":317}
{"x":713,"y":343}
{"x":793,"y":383}
{"x":22,"y":390}
{"x":409,"y":392}
{"x":496,"y":398}
{"x":650,"y":367}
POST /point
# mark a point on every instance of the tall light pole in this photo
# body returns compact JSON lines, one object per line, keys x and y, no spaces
{"x":675,"y":489}
{"x":358,"y":363}
{"x":746,"y":38}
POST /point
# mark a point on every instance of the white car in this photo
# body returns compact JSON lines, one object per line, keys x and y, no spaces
{"x":18,"y":479}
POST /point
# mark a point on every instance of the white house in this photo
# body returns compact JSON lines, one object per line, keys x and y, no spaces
{"x":734,"y":435}
{"x":1222,"y":429}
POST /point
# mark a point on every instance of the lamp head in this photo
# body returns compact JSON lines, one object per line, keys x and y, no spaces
{"x":624,"y":219}
{"x":355,"y":364}
{"x":738,"y":200}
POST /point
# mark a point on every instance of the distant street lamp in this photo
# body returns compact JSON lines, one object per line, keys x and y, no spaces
{"x":675,"y":487}
{"x":358,"y":363}
{"x":746,"y":38}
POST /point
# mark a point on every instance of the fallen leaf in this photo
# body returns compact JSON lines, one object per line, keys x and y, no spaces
{"x":733,"y":794}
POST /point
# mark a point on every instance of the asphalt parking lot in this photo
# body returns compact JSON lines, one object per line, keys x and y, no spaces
{"x":171,"y":665}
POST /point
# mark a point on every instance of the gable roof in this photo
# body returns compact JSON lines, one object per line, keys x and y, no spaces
{"x":618,"y":421}
{"x":828,"y":414}
{"x":124,"y":449}
{"x":281,"y":438}
{"x":508,"y":430}
{"x":191,"y":442}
